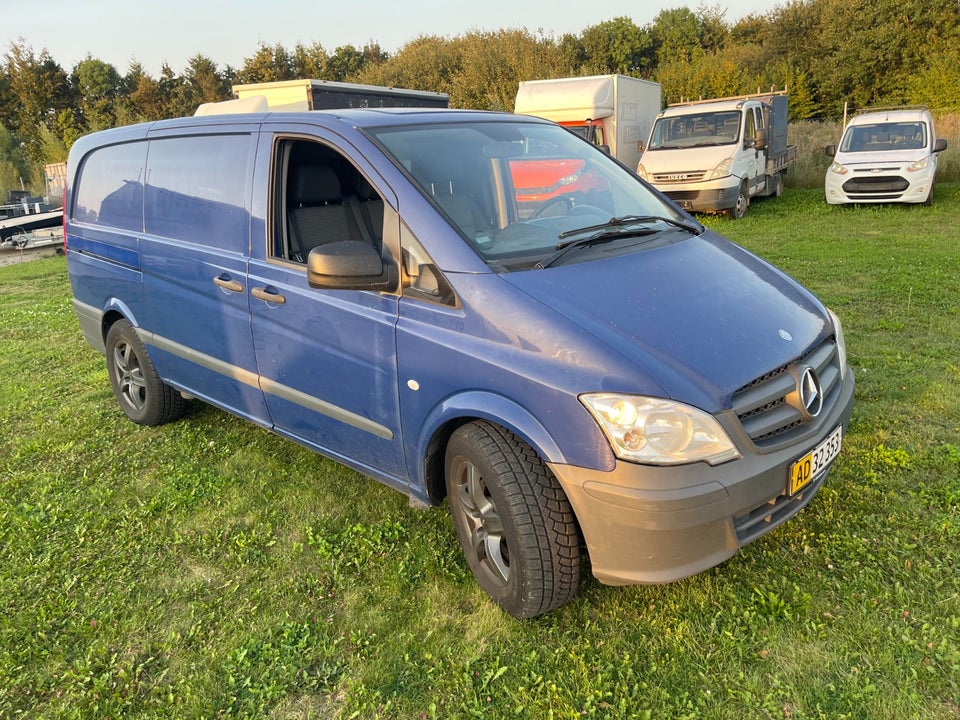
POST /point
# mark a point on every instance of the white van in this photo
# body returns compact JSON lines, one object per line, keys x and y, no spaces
{"x":884,"y":157}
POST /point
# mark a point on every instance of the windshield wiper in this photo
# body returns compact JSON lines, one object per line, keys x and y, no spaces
{"x":628,"y":220}
{"x":603,"y":236}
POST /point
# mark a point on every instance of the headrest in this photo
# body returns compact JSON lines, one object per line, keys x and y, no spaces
{"x":315,"y":184}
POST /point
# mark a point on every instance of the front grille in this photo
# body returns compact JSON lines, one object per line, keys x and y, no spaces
{"x":762,"y":405}
{"x":875,"y":185}
{"x":863,"y":196}
{"x":681,"y":195}
{"x":679,"y":177}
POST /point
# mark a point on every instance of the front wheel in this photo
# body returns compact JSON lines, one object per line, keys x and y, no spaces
{"x":142,"y":395}
{"x":516,"y":526}
{"x":740,"y":207}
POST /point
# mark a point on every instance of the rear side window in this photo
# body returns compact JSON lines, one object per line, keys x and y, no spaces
{"x":197,"y":190}
{"x":110,"y":187}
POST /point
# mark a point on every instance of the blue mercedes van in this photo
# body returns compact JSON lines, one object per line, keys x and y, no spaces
{"x":573,"y":371}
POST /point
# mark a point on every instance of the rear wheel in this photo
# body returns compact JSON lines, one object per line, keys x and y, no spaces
{"x":516,"y":526}
{"x":142,"y":395}
{"x":776,"y":188}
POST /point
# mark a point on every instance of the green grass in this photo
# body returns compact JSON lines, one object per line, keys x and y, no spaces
{"x":210,"y":569}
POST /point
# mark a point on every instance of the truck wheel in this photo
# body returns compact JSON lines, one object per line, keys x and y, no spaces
{"x":515,"y":525}
{"x":740,"y":207}
{"x":928,"y":201}
{"x":777,"y":180}
{"x":142,"y":395}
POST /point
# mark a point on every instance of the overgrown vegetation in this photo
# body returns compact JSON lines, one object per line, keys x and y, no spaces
{"x":210,"y":569}
{"x":826,"y":52}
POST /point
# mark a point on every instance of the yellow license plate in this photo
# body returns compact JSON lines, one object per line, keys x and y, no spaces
{"x":804,"y":470}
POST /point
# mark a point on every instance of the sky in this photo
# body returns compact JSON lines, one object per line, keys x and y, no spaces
{"x":172,"y":31}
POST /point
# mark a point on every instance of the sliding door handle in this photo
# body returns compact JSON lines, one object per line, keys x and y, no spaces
{"x":224,"y":281}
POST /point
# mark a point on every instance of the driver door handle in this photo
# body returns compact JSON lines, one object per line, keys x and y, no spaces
{"x":268,"y":296}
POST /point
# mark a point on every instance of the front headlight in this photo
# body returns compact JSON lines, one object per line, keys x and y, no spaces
{"x":654,"y":431}
{"x":838,"y":169}
{"x":642,"y":172}
{"x":920,"y":164}
{"x":841,"y":342}
{"x":722,"y":170}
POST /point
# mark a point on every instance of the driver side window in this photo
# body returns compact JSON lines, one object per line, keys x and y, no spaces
{"x":322,"y":199}
{"x":750,"y":136}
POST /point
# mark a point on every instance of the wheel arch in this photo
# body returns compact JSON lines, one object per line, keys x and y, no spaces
{"x":467,"y":407}
{"x":115,"y":310}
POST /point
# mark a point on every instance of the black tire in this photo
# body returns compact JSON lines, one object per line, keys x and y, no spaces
{"x":928,"y":201}
{"x":777,"y":180}
{"x":142,"y":395}
{"x":516,"y":527}
{"x":740,"y":207}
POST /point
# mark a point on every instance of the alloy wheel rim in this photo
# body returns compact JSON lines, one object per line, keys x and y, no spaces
{"x":130,"y":376}
{"x":483,"y":522}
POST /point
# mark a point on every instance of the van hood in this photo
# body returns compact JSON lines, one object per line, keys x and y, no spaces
{"x":887,"y":157}
{"x":679,"y":160}
{"x":702,"y":317}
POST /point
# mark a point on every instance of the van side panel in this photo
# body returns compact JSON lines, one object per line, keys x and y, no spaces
{"x":193,"y":254}
{"x":104,"y":222}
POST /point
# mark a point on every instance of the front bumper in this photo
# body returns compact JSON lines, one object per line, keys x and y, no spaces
{"x":645,"y":525}
{"x":710,"y":196}
{"x":885,"y":185}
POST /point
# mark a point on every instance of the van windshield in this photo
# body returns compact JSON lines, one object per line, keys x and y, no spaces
{"x":880,"y":137}
{"x":515,"y":190}
{"x":696,"y":130}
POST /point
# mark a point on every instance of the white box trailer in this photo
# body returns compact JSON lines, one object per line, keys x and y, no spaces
{"x":297,"y":95}
{"x":610,"y":110}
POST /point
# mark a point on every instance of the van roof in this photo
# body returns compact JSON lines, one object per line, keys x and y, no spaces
{"x":348,"y":118}
{"x":891,"y":115}
{"x":692,"y":108}
{"x":371,"y":117}
{"x":367,"y":117}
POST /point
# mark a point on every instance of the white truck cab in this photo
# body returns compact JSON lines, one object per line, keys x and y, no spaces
{"x":714,"y":155}
{"x":885,"y":156}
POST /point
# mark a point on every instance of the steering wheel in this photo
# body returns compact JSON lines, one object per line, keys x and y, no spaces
{"x":566,"y":199}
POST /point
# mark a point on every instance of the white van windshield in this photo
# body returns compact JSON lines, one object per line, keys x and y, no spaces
{"x":696,"y":130}
{"x":880,"y":137}
{"x":517,"y":190}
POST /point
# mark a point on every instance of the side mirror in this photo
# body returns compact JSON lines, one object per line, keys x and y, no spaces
{"x":830,"y":150}
{"x":605,"y":148}
{"x":760,"y":139}
{"x":640,"y":146}
{"x":347,"y":265}
{"x":940,"y":145}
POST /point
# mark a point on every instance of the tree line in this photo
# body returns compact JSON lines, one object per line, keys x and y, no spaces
{"x":827,"y":53}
